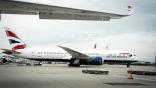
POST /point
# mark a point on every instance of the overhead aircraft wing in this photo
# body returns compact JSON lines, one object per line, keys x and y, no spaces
{"x":54,"y":12}
{"x":74,"y":53}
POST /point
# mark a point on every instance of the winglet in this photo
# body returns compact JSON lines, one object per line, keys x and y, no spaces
{"x":130,"y":9}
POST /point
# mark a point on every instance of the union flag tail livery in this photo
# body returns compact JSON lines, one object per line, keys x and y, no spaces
{"x":14,"y":40}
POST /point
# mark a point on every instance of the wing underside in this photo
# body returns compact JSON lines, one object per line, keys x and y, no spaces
{"x":54,"y":12}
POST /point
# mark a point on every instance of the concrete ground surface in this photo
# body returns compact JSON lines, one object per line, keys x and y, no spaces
{"x":62,"y":76}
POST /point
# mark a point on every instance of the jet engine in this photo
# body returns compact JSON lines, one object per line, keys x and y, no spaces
{"x":96,"y":61}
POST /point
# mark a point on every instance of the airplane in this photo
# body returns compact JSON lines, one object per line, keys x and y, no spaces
{"x":56,"y":12}
{"x":65,"y":54}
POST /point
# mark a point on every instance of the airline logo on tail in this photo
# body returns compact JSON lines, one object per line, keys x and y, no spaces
{"x":14,"y":40}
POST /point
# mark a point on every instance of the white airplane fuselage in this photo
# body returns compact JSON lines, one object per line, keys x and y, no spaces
{"x":59,"y":54}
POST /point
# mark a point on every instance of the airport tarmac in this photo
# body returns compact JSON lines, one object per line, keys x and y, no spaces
{"x":62,"y":76}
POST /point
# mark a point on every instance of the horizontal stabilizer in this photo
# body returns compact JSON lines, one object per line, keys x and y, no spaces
{"x":9,"y":52}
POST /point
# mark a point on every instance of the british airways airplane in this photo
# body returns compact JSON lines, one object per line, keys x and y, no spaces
{"x":65,"y":54}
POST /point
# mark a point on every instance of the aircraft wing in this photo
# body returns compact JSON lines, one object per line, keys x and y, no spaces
{"x":54,"y":12}
{"x":75,"y":54}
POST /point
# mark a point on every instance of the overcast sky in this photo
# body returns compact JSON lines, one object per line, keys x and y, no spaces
{"x":135,"y":33}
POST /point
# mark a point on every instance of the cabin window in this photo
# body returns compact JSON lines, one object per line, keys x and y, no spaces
{"x":130,"y":55}
{"x":39,"y":52}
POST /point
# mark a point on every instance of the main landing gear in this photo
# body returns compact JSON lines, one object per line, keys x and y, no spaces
{"x":128,"y":65}
{"x":74,"y":62}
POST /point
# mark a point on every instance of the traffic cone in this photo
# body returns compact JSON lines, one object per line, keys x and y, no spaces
{"x":130,"y":77}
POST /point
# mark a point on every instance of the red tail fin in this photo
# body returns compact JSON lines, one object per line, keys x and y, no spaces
{"x":14,"y":40}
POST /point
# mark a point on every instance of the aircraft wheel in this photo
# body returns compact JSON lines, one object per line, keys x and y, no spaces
{"x":128,"y":65}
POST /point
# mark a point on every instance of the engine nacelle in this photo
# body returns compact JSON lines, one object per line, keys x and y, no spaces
{"x":96,"y":61}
